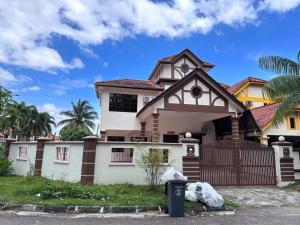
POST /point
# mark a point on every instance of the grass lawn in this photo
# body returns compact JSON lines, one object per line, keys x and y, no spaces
{"x":24,"y":190}
{"x":294,"y":187}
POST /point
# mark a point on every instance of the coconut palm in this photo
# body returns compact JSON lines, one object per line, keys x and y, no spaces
{"x":285,"y":87}
{"x":26,"y":122}
{"x":81,"y":115}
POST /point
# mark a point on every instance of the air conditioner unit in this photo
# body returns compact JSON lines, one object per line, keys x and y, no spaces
{"x":147,"y":99}
{"x":248,"y":103}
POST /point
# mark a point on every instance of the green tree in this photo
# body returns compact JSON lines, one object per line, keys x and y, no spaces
{"x":82,"y":115}
{"x":285,"y":87}
{"x":25,"y":121}
{"x":5,"y":100}
{"x":74,"y":133}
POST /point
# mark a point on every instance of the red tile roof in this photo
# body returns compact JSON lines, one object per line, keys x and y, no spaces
{"x":264,"y":114}
{"x":240,"y":84}
{"x":225,"y":86}
{"x":129,"y":83}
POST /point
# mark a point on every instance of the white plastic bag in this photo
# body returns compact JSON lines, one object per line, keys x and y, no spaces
{"x":206,"y":194}
{"x":172,"y":174}
{"x":190,"y":196}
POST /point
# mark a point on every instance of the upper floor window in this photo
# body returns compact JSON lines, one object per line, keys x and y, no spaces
{"x":122,"y":102}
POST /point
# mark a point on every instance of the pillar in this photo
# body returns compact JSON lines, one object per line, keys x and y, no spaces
{"x":143,"y":129}
{"x":88,"y":159}
{"x":235,"y":130}
{"x":155,"y":133}
{"x":7,"y":146}
{"x":39,"y":155}
{"x":284,"y":162}
{"x":102,"y":135}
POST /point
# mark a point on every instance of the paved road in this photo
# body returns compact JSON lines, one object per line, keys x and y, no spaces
{"x":262,"y":216}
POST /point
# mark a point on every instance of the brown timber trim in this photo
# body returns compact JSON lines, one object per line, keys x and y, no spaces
{"x":287,"y":169}
{"x":143,"y":129}
{"x":39,"y":155}
{"x":88,"y":159}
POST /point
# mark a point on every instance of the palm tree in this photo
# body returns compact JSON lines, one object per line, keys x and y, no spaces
{"x":25,"y":121}
{"x":285,"y":87}
{"x":81,"y":115}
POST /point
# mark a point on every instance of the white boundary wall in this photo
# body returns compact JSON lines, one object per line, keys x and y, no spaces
{"x":61,"y":170}
{"x":22,"y":166}
{"x":116,"y":173}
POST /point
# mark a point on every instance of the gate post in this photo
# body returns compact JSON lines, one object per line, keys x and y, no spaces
{"x":284,"y":162}
{"x":235,"y":132}
{"x":190,"y":162}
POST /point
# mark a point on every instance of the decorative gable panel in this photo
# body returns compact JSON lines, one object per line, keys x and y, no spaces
{"x":196,"y":95}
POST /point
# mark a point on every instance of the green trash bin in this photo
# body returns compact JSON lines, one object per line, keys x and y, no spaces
{"x":175,"y":197}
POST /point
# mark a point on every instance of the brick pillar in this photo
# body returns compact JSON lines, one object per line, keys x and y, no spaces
{"x":143,"y":129}
{"x":155,"y":133}
{"x":7,"y":146}
{"x":235,"y":130}
{"x":102,"y":133}
{"x":284,"y":162}
{"x":88,"y":159}
{"x":39,"y":155}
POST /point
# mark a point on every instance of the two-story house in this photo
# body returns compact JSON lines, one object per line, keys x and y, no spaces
{"x":178,"y":97}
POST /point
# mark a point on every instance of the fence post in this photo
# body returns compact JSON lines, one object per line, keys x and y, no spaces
{"x":7,"y":146}
{"x":284,"y":162}
{"x":88,"y":159}
{"x":39,"y":155}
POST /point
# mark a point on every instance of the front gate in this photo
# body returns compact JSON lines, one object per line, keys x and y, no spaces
{"x":228,"y":162}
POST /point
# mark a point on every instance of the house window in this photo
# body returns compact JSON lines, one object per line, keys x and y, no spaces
{"x":62,"y":153}
{"x":116,"y":138}
{"x":170,"y":138}
{"x":22,"y":152}
{"x":122,"y":155}
{"x":163,"y":153}
{"x":292,"y":123}
{"x":122,"y":102}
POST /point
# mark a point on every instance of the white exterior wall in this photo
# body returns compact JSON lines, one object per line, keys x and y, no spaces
{"x":22,"y":166}
{"x":281,"y":130}
{"x":122,"y":120}
{"x":296,"y":156}
{"x":115,"y":173}
{"x":68,"y":171}
{"x":255,"y":91}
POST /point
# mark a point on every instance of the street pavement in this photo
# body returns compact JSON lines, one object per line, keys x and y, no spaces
{"x":244,"y":216}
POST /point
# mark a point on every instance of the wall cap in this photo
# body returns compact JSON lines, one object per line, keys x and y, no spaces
{"x":44,"y":139}
{"x":282,"y":143}
{"x":10,"y":140}
{"x":91,"y":137}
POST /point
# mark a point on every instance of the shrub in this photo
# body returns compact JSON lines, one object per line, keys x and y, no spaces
{"x":71,"y":191}
{"x":5,"y":167}
{"x":74,"y":133}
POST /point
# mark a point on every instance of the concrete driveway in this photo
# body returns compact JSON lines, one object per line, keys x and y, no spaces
{"x":261,"y":196}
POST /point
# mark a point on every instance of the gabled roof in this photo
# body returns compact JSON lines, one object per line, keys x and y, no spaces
{"x":173,"y":58}
{"x":264,"y":114}
{"x":234,"y":88}
{"x":130,"y":83}
{"x":183,"y":80}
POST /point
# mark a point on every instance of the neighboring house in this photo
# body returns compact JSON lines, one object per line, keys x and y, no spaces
{"x":178,"y":97}
{"x":249,"y":92}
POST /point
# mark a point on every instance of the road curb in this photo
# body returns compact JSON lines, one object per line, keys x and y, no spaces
{"x":79,"y":209}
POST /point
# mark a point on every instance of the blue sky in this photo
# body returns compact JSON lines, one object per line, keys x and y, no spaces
{"x":51,"y":54}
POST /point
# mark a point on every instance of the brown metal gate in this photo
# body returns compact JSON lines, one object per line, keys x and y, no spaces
{"x":226,"y":162}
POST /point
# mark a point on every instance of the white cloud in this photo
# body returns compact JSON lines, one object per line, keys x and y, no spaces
{"x":29,"y":27}
{"x":34,"y":88}
{"x":279,"y":5}
{"x":65,"y":85}
{"x":8,"y":79}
